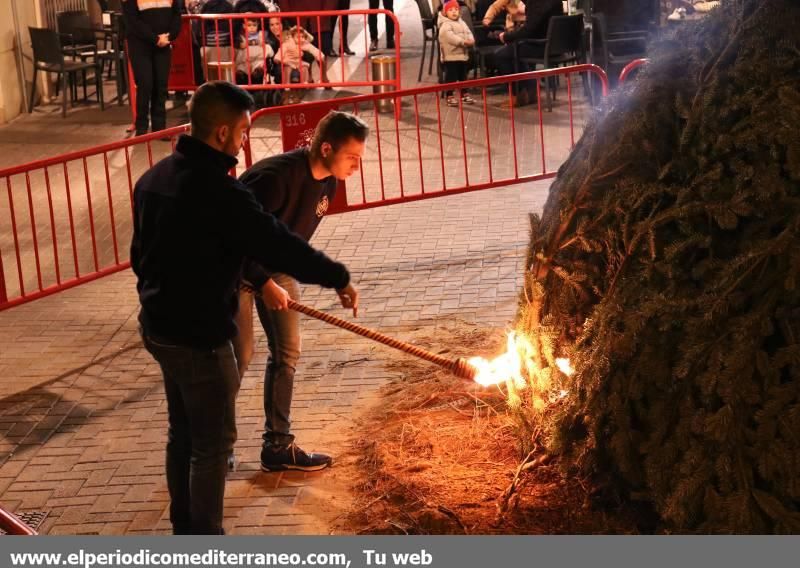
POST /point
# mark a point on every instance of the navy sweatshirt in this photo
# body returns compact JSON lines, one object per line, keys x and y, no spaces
{"x":145,"y":20}
{"x":193,"y":226}
{"x":285,"y":187}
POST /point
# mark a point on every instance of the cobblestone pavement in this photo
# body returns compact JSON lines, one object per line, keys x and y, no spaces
{"x":82,"y":409}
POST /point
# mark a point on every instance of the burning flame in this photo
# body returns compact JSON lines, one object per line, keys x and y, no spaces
{"x":509,"y":366}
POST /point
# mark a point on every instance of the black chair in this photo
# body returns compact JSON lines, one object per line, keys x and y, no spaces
{"x":76,"y":31}
{"x":618,"y":48}
{"x":48,"y":57}
{"x":429,"y":34}
{"x":563,"y":45}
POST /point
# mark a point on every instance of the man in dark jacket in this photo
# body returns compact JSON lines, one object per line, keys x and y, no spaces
{"x":193,"y":227}
{"x":537,"y":17}
{"x":297,"y":187}
{"x":151,"y":26}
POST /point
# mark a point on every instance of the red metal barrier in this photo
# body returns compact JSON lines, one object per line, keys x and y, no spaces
{"x":630,"y":68}
{"x":484,"y":155}
{"x":70,"y":216}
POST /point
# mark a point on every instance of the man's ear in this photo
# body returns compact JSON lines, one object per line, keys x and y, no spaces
{"x":222,"y":134}
{"x":325,"y":149}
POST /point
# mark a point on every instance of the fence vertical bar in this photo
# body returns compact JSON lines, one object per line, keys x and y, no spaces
{"x":541,"y":120}
{"x":111,"y":210}
{"x":441,"y":143}
{"x":513,"y":130}
{"x":52,"y":225}
{"x":488,"y":136}
{"x":91,"y":214}
{"x":419,"y":145}
{"x":15,"y":235}
{"x":71,"y":222}
{"x":33,"y":231}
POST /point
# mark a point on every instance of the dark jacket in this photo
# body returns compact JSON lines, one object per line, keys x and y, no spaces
{"x":193,"y":226}
{"x":284,"y":186}
{"x":145,"y":20}
{"x":537,"y":17}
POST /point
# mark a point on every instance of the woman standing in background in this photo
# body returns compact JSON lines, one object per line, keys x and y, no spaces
{"x":151,"y":26}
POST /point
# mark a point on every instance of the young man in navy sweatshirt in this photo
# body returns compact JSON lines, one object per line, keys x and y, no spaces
{"x":297,"y":187}
{"x":193,"y":226}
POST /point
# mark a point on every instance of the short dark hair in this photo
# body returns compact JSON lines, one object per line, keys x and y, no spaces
{"x":336,"y":128}
{"x":216,"y":103}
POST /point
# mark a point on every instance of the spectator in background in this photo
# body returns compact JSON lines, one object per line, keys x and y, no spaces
{"x":150,"y":26}
{"x":297,"y":44}
{"x":373,"y":24}
{"x":320,"y":28}
{"x":342,"y":5}
{"x":456,"y":41}
{"x":253,"y":55}
{"x":514,"y":9}
{"x":538,"y":14}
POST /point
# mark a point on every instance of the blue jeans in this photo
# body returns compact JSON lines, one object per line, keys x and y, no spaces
{"x":201,"y":387}
{"x":282,"y":328}
{"x":283,"y":337}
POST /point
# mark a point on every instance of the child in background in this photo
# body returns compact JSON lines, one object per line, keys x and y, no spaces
{"x":455,"y":41}
{"x":253,"y":55}
{"x":291,"y":52}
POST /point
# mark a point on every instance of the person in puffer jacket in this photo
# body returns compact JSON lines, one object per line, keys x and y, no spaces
{"x":455,"y":42}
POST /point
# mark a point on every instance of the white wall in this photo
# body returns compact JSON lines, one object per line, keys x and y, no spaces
{"x":12,"y":101}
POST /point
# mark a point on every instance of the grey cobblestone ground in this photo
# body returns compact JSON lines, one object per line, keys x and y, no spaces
{"x":82,"y":410}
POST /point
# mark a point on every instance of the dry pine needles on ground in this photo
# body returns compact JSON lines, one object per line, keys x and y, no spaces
{"x":438,"y":455}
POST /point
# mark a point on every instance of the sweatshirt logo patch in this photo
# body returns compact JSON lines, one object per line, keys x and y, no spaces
{"x":322,"y":206}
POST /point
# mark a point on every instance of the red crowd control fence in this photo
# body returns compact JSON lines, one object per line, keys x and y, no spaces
{"x":421,"y":147}
{"x":67,"y":219}
{"x":631,"y":68}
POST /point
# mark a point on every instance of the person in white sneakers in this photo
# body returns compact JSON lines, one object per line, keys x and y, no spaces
{"x":455,"y":41}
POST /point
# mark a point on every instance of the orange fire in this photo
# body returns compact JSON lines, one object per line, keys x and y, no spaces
{"x":512,"y":366}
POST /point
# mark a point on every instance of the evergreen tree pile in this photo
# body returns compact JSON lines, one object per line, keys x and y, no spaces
{"x":666,"y":266}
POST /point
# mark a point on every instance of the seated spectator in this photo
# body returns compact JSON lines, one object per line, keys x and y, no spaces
{"x":538,"y":16}
{"x":253,"y":56}
{"x":295,"y":54}
{"x":215,"y":35}
{"x":294,"y":43}
{"x":514,"y":9}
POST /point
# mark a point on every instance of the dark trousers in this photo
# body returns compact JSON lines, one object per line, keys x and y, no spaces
{"x":372,"y":19}
{"x":342,"y":5}
{"x":201,"y":388}
{"x":503,"y":61}
{"x":150,"y":71}
{"x":454,"y":71}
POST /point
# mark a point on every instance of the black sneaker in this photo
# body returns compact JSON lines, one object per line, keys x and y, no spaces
{"x":279,"y":458}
